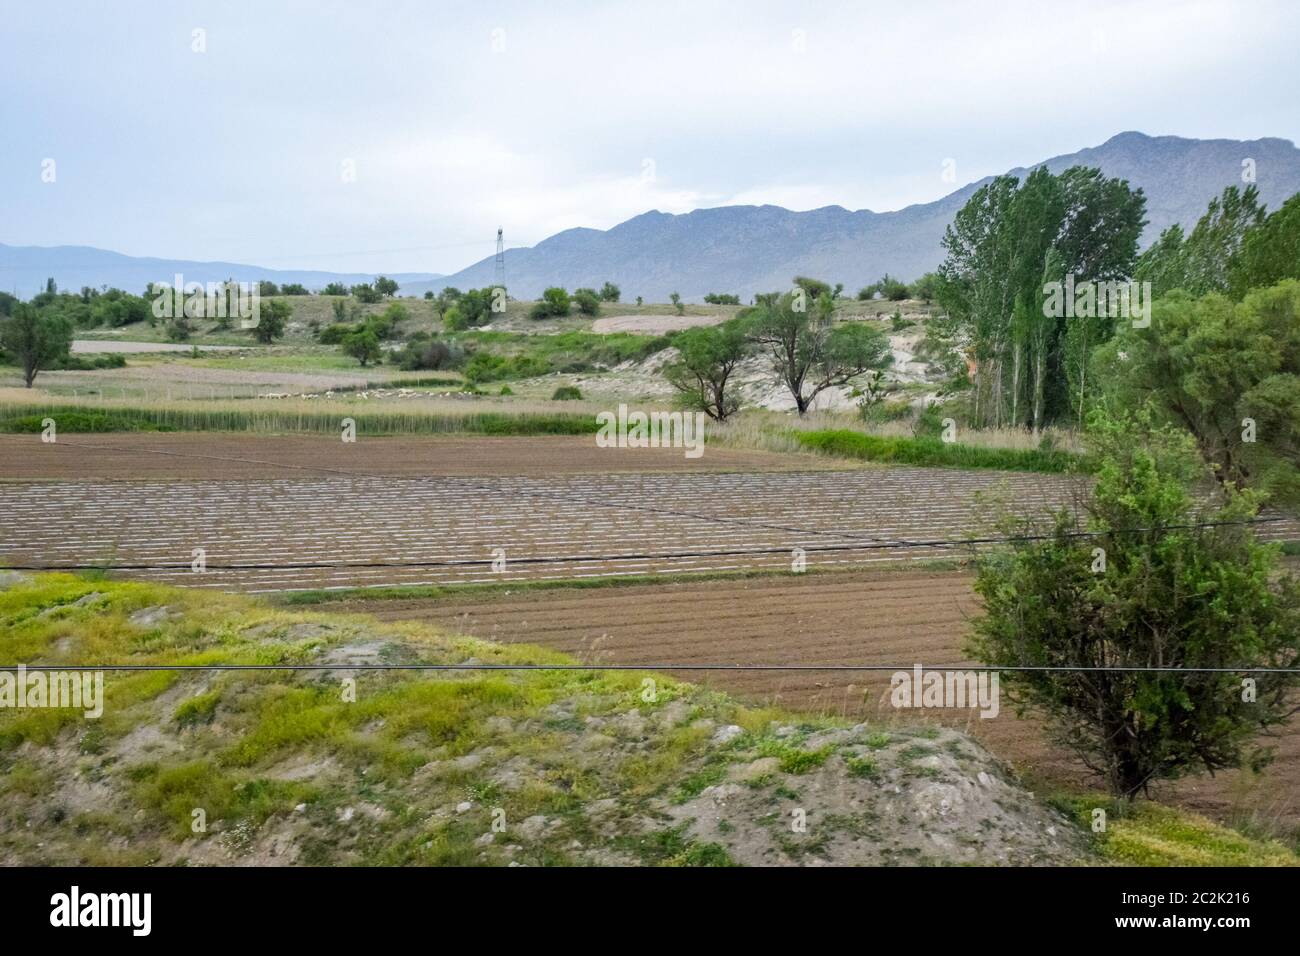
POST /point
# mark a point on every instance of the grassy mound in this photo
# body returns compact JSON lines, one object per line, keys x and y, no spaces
{"x":489,"y":767}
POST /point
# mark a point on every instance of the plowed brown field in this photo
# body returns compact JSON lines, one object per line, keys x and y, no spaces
{"x":879,"y":617}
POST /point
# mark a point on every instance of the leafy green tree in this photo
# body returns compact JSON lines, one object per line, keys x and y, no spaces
{"x":1227,"y":372}
{"x":364,"y":292}
{"x":36,"y":340}
{"x":998,"y":251}
{"x":1210,"y":255}
{"x":453,"y":320}
{"x":1269,"y":252}
{"x":385,"y":286}
{"x":722,"y":298}
{"x":294,"y":288}
{"x":814,"y":289}
{"x":893,"y":289}
{"x":1163,"y":264}
{"x":587,"y":301}
{"x":707,"y":358}
{"x":272,"y":318}
{"x":1165,"y":580}
{"x":554,"y":302}
{"x":926,"y":288}
{"x":334,"y":288}
{"x":363,"y":345}
{"x":266,"y":288}
{"x":610,"y":292}
{"x":809,"y":353}
{"x":676,"y":300}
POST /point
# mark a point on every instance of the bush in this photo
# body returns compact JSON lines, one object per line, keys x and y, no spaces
{"x":333,"y":334}
{"x":1181,"y":583}
{"x":566,"y":393}
{"x":433,"y":354}
{"x":487,"y":367}
{"x":587,"y":301}
{"x":932,"y":452}
{"x":554,"y":302}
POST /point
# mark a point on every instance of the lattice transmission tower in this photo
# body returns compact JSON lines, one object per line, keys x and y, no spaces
{"x":501,"y":260}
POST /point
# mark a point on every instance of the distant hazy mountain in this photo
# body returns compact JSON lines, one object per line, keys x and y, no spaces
{"x":747,"y":249}
{"x":736,"y":249}
{"x":24,"y":269}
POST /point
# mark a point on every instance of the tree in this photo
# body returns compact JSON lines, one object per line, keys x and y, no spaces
{"x":722,"y":298}
{"x":587,"y":301}
{"x":1227,"y":372}
{"x":554,"y":302}
{"x":363,"y":292}
{"x":272,"y":317}
{"x":293,"y":288}
{"x":677,"y":303}
{"x":334,"y":288}
{"x":610,"y":292}
{"x":385,"y":286}
{"x":809,"y":354}
{"x":35,"y":339}
{"x":925,"y":288}
{"x":1164,"y":580}
{"x":266,"y":288}
{"x":1210,"y":255}
{"x":999,"y":248}
{"x":363,"y":345}
{"x":1163,"y":263}
{"x":814,"y":289}
{"x":474,"y":306}
{"x":707,"y":357}
{"x":890,"y":288}
{"x":1269,"y":252}
{"x":638,"y":300}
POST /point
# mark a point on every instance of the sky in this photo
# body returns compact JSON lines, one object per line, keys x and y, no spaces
{"x":397,"y":136}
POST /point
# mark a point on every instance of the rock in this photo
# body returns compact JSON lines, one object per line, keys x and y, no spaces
{"x":727,"y":734}
{"x":149,"y":616}
{"x":464,"y":806}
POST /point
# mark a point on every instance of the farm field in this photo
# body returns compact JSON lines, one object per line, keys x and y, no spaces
{"x":329,"y":522}
{"x":876,"y":617}
{"x":196,"y":455}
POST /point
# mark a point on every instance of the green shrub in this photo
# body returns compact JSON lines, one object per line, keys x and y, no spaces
{"x":566,"y":393}
{"x":932,"y":452}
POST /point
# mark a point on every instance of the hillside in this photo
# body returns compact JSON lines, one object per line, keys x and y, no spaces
{"x":476,"y":767}
{"x":748,"y":249}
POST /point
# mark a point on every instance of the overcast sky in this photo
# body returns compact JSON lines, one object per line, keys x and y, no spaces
{"x":397,"y":136}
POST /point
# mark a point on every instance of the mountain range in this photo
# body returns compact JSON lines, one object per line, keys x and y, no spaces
{"x":747,"y":249}
{"x":24,"y":269}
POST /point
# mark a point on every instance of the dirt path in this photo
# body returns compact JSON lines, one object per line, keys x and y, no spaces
{"x":891,"y":617}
